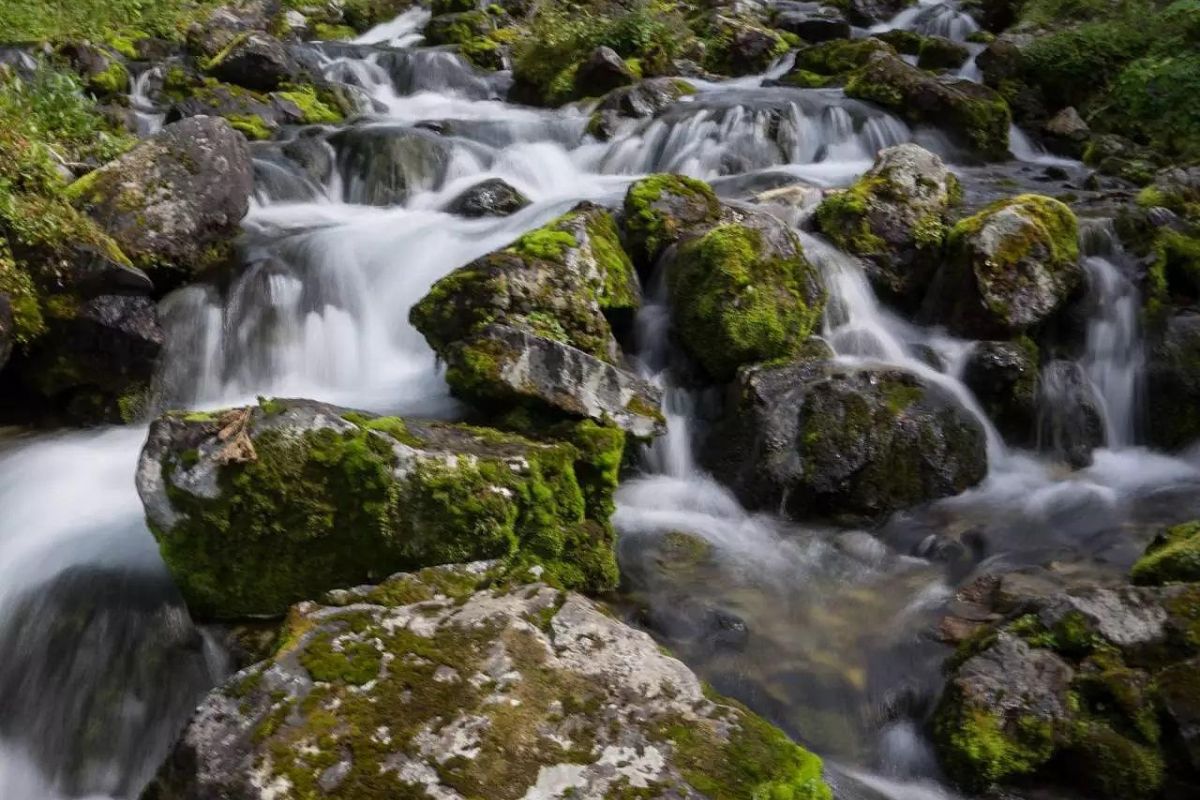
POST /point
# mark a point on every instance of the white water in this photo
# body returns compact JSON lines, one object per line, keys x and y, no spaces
{"x":321,"y":311}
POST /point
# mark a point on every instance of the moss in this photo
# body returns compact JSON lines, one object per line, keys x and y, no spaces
{"x":547,"y":243}
{"x":843,"y":217}
{"x":736,"y":304}
{"x":724,"y":56}
{"x":112,"y":81}
{"x":253,"y":127}
{"x":620,"y":289}
{"x":660,"y":208}
{"x":979,"y":748}
{"x":313,"y":110}
{"x":333,"y":33}
{"x":840,"y":56}
{"x":330,"y":661}
{"x":1115,"y":767}
{"x":1174,"y":555}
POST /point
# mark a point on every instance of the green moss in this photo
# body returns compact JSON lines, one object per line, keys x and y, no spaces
{"x":843,"y":217}
{"x":1174,"y":555}
{"x":979,"y":748}
{"x":330,"y":661}
{"x":313,"y":109}
{"x":112,"y":81}
{"x":659,"y":209}
{"x":722,"y":54}
{"x":253,"y":127}
{"x":458,"y":28}
{"x":546,"y":243}
{"x":840,"y":56}
{"x":735,"y":304}
{"x":620,"y":290}
{"x":118,"y":23}
{"x":1114,"y":766}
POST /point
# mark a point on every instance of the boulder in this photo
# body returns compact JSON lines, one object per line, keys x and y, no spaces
{"x":445,"y":683}
{"x":1181,"y":704}
{"x":938,"y":52}
{"x":868,"y":12}
{"x":210,"y":35}
{"x":529,"y":325}
{"x":601,"y":72}
{"x":384,"y":165}
{"x":976,"y":115}
{"x":813,"y":22}
{"x":1066,"y":132}
{"x":639,"y":101}
{"x":490,"y":198}
{"x":817,"y":439}
{"x":662,"y":210}
{"x":743,"y":293}
{"x":102,"y":70}
{"x":459,"y":27}
{"x":256,"y":508}
{"x":894,"y":218}
{"x":1071,"y":422}
{"x":174,"y":202}
{"x":1003,"y":376}
{"x":1174,"y":555}
{"x":256,"y":61}
{"x":1007,"y":269}
{"x":1173,"y":384}
{"x":740,"y":47}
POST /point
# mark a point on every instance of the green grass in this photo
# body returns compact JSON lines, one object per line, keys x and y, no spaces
{"x":24,"y":21}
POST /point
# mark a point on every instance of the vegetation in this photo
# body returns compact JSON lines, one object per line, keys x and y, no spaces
{"x":115,"y":21}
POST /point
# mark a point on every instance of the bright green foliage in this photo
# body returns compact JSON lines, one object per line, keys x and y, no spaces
{"x":314,"y":109}
{"x":119,"y":20}
{"x":979,"y":748}
{"x":1174,"y":555}
{"x":736,"y":302}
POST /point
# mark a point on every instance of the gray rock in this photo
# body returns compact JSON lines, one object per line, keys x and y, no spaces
{"x":491,"y":198}
{"x":1070,"y":414}
{"x":1003,"y":376}
{"x":174,"y":202}
{"x":812,"y":22}
{"x":643,"y":99}
{"x":1128,"y":617}
{"x":383,"y":165}
{"x":601,"y":72}
{"x":817,"y":439}
{"x":432,"y":683}
{"x":256,"y":61}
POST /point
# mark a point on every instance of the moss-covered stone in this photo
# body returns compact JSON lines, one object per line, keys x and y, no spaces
{"x":264,"y":506}
{"x":743,"y":295}
{"x":662,"y":209}
{"x":1174,"y":555}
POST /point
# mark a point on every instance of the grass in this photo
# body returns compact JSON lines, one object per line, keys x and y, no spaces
{"x":54,"y":20}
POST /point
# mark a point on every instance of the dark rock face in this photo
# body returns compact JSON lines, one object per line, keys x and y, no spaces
{"x":1070,"y":414}
{"x":868,"y":12}
{"x":174,"y":202}
{"x":643,"y":99}
{"x":7,"y":331}
{"x":812,"y":22}
{"x":490,"y":198}
{"x":938,"y":52}
{"x":383,"y":165}
{"x":258,"y":62}
{"x":1173,"y":384}
{"x":602,"y":72}
{"x":819,"y":440}
{"x":1003,"y":376}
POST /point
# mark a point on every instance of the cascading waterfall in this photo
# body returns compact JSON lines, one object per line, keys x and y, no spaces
{"x":819,"y":629}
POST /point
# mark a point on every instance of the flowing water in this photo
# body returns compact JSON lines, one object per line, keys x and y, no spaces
{"x":825,"y":631}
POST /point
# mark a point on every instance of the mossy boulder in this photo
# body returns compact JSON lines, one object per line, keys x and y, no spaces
{"x":736,"y":46}
{"x":821,"y":440}
{"x":976,"y":115}
{"x":259,"y":507}
{"x":812,"y":22}
{"x":662,"y":210}
{"x":1179,"y":686}
{"x":743,"y":293}
{"x":938,"y":52}
{"x":894,"y":217}
{"x":256,"y":61}
{"x":459,"y":27}
{"x":1174,"y":555}
{"x":174,"y":202}
{"x":1173,"y":383}
{"x":1003,"y":376}
{"x":1008,"y":268}
{"x":831,"y":62}
{"x":452,"y":682}
{"x":529,"y":325}
{"x":384,"y":165}
{"x":602,"y":72}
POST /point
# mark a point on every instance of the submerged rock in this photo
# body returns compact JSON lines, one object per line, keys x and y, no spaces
{"x":491,"y":198}
{"x":816,"y":439}
{"x":257,"y":508}
{"x":1007,"y":269}
{"x":384,"y":165}
{"x":436,"y":684}
{"x":643,"y":99}
{"x":529,"y":325}
{"x":894,"y":218}
{"x":1070,"y":413}
{"x":174,"y":202}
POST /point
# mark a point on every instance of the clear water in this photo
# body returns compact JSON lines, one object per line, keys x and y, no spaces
{"x":824,"y":631}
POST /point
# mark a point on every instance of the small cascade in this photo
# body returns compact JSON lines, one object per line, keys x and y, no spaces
{"x":149,"y":116}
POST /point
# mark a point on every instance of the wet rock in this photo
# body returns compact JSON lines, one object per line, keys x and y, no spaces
{"x":222,"y":27}
{"x":256,"y":508}
{"x":661,"y":211}
{"x":256,"y":61}
{"x":938,"y":52}
{"x":1007,"y":269}
{"x":743,"y":293}
{"x":974,"y":114}
{"x":601,"y":72}
{"x":174,"y":202}
{"x":812,"y":22}
{"x":1070,"y":413}
{"x":644,"y":99}
{"x":868,"y":12}
{"x":458,"y":28}
{"x":1066,"y":132}
{"x":1174,"y":555}
{"x":820,"y":440}
{"x":529,"y":324}
{"x":491,"y":198}
{"x":1003,"y":376}
{"x":102,"y":70}
{"x":384,"y":165}
{"x":1181,"y":702}
{"x":894,"y":218}
{"x":1173,"y":384}
{"x":433,"y":683}
{"x":740,"y":47}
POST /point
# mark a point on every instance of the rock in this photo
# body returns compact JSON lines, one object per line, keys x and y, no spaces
{"x":815,"y":439}
{"x":256,"y":61}
{"x":209,"y":36}
{"x":601,"y":72}
{"x":997,"y":714}
{"x":662,"y":210}
{"x":490,"y":198}
{"x":103,"y":72}
{"x":813,"y":22}
{"x":259,"y":507}
{"x":740,"y":47}
{"x":996,"y":15}
{"x":641,"y":100}
{"x":529,"y":324}
{"x":938,"y":52}
{"x":1181,"y":703}
{"x":1070,"y":413}
{"x":174,"y":202}
{"x":1174,"y":555}
{"x":1067,"y":132}
{"x":1007,"y":269}
{"x":894,"y":218}
{"x":1003,"y":376}
{"x":432,"y":684}
{"x":458,"y":28}
{"x":868,"y":12}
{"x":743,"y":293}
{"x":974,"y":114}
{"x":383,"y":165}
{"x":1173,"y":384}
